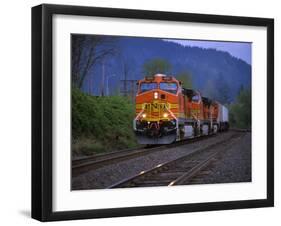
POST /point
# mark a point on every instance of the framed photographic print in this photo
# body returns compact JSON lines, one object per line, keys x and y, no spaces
{"x":145,"y":112}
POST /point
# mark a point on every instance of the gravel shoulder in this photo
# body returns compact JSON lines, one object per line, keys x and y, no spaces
{"x":226,"y":171}
{"x":231,"y":166}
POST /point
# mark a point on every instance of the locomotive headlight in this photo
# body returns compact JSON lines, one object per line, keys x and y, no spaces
{"x":165,"y":115}
{"x":143,"y":115}
{"x":155,"y":95}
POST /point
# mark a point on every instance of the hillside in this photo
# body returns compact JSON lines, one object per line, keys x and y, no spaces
{"x":214,"y":73}
{"x":98,"y":120}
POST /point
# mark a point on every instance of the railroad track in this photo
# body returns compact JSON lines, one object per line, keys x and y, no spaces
{"x":83,"y":165}
{"x":240,"y":130}
{"x":80,"y":166}
{"x":178,"y":171}
{"x":95,"y":157}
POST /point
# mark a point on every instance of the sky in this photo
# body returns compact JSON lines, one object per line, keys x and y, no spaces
{"x":241,"y":50}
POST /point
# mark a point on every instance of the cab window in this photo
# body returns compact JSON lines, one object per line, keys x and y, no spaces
{"x":147,"y":86}
{"x":170,"y":87}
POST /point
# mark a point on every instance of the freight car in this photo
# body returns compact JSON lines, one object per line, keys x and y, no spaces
{"x":166,"y":112}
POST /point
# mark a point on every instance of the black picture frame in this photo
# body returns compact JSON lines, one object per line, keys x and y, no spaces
{"x":42,"y":107}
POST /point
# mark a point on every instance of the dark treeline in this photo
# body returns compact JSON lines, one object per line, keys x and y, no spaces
{"x":216,"y":74}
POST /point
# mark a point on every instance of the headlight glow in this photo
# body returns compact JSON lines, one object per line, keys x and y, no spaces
{"x":155,"y":95}
{"x":165,"y":115}
{"x":143,"y":115}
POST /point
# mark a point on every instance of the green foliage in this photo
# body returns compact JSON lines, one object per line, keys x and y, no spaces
{"x":86,"y":146}
{"x":186,"y":79}
{"x":240,"y":112}
{"x":156,"y":66}
{"x":101,"y":123}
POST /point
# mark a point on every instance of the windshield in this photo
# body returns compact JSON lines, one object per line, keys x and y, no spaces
{"x":170,"y":87}
{"x":147,"y":86}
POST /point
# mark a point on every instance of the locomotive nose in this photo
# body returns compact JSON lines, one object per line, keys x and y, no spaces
{"x":157,"y":95}
{"x":162,"y":96}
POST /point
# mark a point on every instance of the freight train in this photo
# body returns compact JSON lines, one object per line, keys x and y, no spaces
{"x":166,"y":112}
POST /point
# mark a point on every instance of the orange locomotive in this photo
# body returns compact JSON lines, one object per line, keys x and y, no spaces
{"x":167,"y":112}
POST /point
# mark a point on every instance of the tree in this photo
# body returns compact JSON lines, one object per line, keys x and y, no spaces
{"x":155,"y":66}
{"x":223,"y":89}
{"x":186,"y":79}
{"x":88,"y":50}
{"x":240,"y":112}
{"x":210,"y":89}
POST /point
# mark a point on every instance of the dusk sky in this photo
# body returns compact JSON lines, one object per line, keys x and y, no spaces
{"x":241,"y":50}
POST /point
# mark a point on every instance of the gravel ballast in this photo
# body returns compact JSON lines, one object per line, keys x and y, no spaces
{"x":232,"y":165}
{"x":237,"y":163}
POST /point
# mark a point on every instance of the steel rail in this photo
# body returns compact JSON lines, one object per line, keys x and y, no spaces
{"x":80,"y":166}
{"x":184,"y":175}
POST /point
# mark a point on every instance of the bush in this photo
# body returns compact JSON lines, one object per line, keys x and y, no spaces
{"x":101,"y":123}
{"x":87,"y":146}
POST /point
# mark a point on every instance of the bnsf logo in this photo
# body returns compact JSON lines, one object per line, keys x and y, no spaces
{"x":158,"y":106}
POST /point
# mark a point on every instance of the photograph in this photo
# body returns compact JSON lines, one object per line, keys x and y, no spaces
{"x":149,"y":112}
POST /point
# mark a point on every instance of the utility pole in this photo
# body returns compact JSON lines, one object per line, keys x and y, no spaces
{"x":90,"y":84}
{"x":128,"y":88}
{"x":133,"y":82}
{"x":103,"y":78}
{"x":107,"y":80}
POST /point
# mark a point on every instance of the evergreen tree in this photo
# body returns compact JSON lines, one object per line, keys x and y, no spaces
{"x":155,"y":66}
{"x":241,"y":111}
{"x":186,"y":79}
{"x":223,"y":90}
{"x":210,"y":89}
